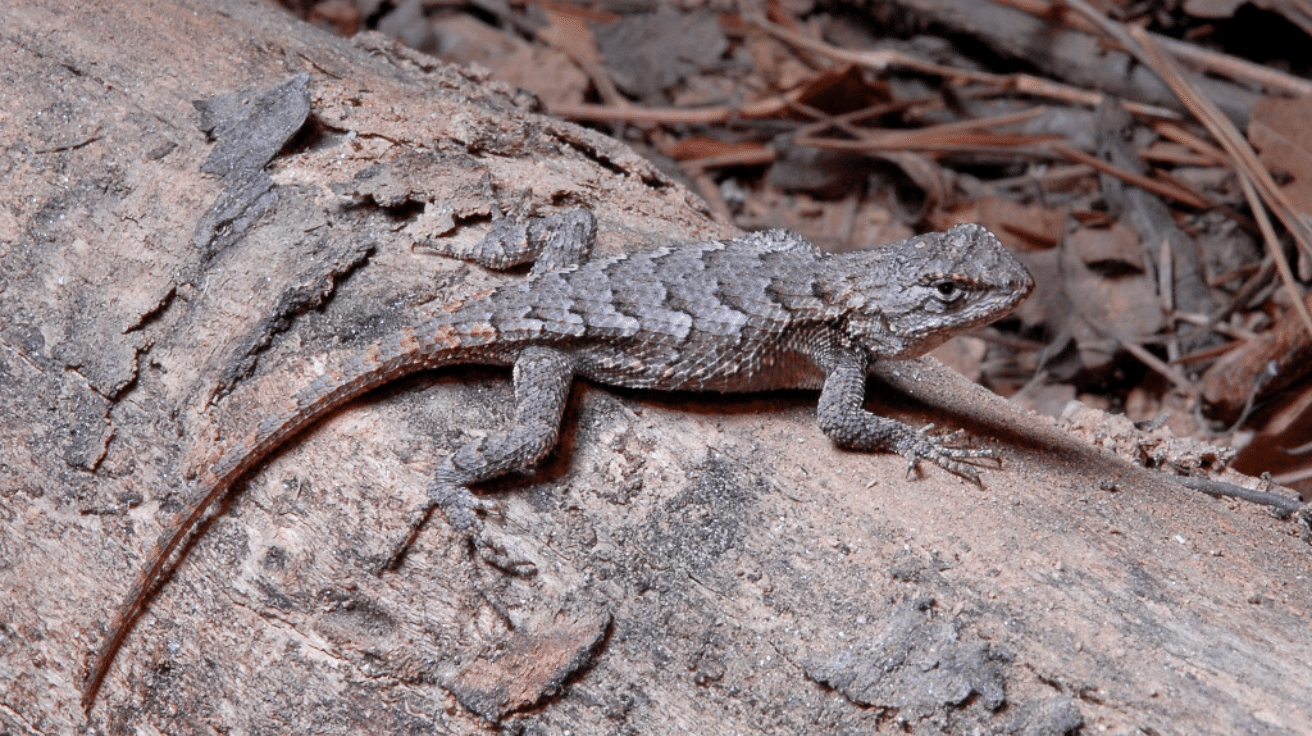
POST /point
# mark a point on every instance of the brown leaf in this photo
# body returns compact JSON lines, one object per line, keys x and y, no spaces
{"x":1018,"y":226}
{"x":1107,"y":309}
{"x":1100,"y":245}
{"x":551,"y":74}
{"x":1275,"y":359}
{"x":1280,"y":133}
{"x":1024,"y":227}
{"x":842,"y":90}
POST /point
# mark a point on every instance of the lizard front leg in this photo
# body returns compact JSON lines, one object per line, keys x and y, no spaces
{"x":844,"y":420}
{"x":542,"y":379}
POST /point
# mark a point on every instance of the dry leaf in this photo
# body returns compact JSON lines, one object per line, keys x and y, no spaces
{"x":1280,"y":133}
{"x":550,"y":74}
{"x":1020,"y":227}
{"x":1117,"y":244}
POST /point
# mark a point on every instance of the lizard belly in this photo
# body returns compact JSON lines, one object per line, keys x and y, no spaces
{"x":690,"y":366}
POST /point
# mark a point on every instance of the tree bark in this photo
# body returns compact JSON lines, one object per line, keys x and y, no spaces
{"x":704,"y":564}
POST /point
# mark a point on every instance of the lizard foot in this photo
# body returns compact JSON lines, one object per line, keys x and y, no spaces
{"x":919,"y":444}
{"x":458,"y":504}
{"x":496,"y":555}
{"x":461,"y":508}
{"x":400,"y":546}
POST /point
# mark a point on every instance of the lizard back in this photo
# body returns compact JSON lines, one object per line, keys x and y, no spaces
{"x":710,"y":316}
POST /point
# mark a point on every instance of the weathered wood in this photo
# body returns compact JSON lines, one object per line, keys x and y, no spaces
{"x":704,"y":564}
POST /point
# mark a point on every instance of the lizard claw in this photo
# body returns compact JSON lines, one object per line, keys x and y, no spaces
{"x":496,"y":555}
{"x":461,"y":508}
{"x":401,"y":545}
{"x":919,"y":445}
{"x":458,"y":504}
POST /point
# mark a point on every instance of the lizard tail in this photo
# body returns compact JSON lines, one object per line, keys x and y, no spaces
{"x":432,"y":345}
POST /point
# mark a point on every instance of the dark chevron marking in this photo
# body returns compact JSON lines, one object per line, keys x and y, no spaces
{"x":764,"y":311}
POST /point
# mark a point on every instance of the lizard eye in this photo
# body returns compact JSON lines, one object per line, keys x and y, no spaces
{"x":949,"y":291}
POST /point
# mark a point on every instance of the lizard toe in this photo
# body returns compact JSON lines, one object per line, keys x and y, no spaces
{"x":496,"y":555}
{"x":937,"y":449}
{"x":458,"y":504}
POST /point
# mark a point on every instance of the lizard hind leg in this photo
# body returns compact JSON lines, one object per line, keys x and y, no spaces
{"x":542,"y":381}
{"x":551,"y":243}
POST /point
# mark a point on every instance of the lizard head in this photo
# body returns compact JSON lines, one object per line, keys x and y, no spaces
{"x":904,"y":299}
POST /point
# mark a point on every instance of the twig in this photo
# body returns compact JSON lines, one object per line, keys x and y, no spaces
{"x":1049,"y":175}
{"x":671,"y":115}
{"x":962,"y":132}
{"x":881,"y":60}
{"x":1252,"y":174}
{"x":1181,"y":382}
{"x":934,"y":134}
{"x":1170,"y":130}
{"x":1177,"y":155}
{"x":941,"y":139}
{"x":1293,"y":476}
{"x":993,"y":122}
{"x":569,"y":34}
{"x":757,"y":157}
{"x":1166,"y":292}
{"x":1274,"y":248}
{"x":847,"y":119}
{"x":1173,"y":191}
{"x":1284,"y":506}
{"x":1215,"y":351}
{"x":958,"y":143}
{"x":1197,"y":57}
{"x":711,"y":193}
{"x":1201,"y":320}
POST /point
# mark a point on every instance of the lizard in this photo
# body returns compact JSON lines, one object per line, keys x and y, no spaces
{"x":767,"y":310}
